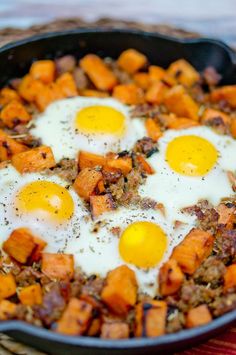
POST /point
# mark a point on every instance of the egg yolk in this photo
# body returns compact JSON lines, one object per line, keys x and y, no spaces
{"x":191,"y":155}
{"x":47,"y":199}
{"x":100,"y":120}
{"x":142,"y":244}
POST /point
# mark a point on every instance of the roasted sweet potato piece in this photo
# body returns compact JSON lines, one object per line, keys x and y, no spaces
{"x":170,"y":278}
{"x":7,"y":310}
{"x":76,"y":318}
{"x":145,"y":167}
{"x":156,"y":93}
{"x":47,"y":94}
{"x":131,"y":61}
{"x":123,"y":164}
{"x":129,"y":94}
{"x":90,"y":160}
{"x":94,"y":328}
{"x":191,"y":252}
{"x":7,"y":286}
{"x":20,"y":245}
{"x":150,"y":318}
{"x":100,"y":204}
{"x":156,"y":73}
{"x":37,"y":252}
{"x":100,"y":75}
{"x":7,"y":95}
{"x":86,"y":182}
{"x":153,"y":129}
{"x":142,"y":80}
{"x":230,"y":277}
{"x":183,"y":72}
{"x":225,"y":93}
{"x":36,"y":159}
{"x":58,"y":266}
{"x":233,"y":127}
{"x":198,"y":316}
{"x":29,"y":88}
{"x":14,"y":113}
{"x":227,"y":215}
{"x":67,"y":85}
{"x":178,"y":101}
{"x":43,"y":70}
{"x":93,"y":93}
{"x":100,"y":187}
{"x":31,"y":295}
{"x":115,"y":330}
{"x":120,"y":291}
{"x":9,"y":147}
{"x":216,"y":118}
{"x":182,"y":123}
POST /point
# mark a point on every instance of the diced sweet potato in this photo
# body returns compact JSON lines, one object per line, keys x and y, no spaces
{"x":90,"y":160}
{"x":58,"y":266}
{"x":230,"y":277}
{"x":7,"y":95}
{"x":233,"y":127}
{"x":37,"y":252}
{"x":9,"y":147}
{"x":153,"y":129}
{"x":7,"y":310}
{"x":95,"y":327}
{"x":115,"y":330}
{"x":182,"y":123}
{"x":170,"y":278}
{"x":142,"y":80}
{"x":129,"y":94}
{"x":14,"y":113}
{"x":225,"y":93}
{"x":191,"y":252}
{"x":100,"y":204}
{"x":20,"y":245}
{"x":93,"y":93}
{"x":183,"y":72}
{"x":100,"y":187}
{"x":33,"y":160}
{"x":120,"y":291}
{"x":178,"y":101}
{"x":145,"y":167}
{"x":76,"y":318}
{"x":29,"y":88}
{"x":131,"y":60}
{"x":215,"y":117}
{"x":150,"y":319}
{"x":100,"y":75}
{"x":156,"y":73}
{"x":227,"y":215}
{"x":31,"y":295}
{"x":86,"y":182}
{"x":198,"y":316}
{"x":156,"y":93}
{"x":7,"y":286}
{"x":43,"y":70}
{"x":123,"y":164}
{"x":67,"y":85}
{"x":47,"y":94}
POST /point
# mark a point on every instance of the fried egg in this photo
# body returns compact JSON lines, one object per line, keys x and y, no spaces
{"x":191,"y":165}
{"x":93,"y":124}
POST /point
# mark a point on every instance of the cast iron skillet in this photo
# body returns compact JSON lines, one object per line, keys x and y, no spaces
{"x":15,"y":60}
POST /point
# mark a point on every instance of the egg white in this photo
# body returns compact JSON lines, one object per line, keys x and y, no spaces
{"x":56,"y":128}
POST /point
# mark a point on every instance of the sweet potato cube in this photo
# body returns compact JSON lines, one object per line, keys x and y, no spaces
{"x":144,"y":165}
{"x":100,"y":204}
{"x":7,"y":310}
{"x":230,"y":277}
{"x":150,"y":318}
{"x":227,"y":215}
{"x":58,"y":266}
{"x":225,"y":93}
{"x":156,"y":73}
{"x":86,"y":182}
{"x":142,"y":80}
{"x":29,"y":88}
{"x":33,"y":160}
{"x":76,"y":318}
{"x":178,"y":101}
{"x":156,"y":93}
{"x":90,"y":160}
{"x":43,"y":70}
{"x":115,"y":330}
{"x":48,"y":94}
{"x":170,"y":278}
{"x":211,"y":116}
{"x":7,"y":286}
{"x":182,"y":123}
{"x":129,"y":94}
{"x":7,"y":95}
{"x":93,"y":93}
{"x":191,"y":252}
{"x":8,"y":146}
{"x":100,"y":75}
{"x":131,"y":60}
{"x":233,"y":127}
{"x":67,"y":85}
{"x":31,"y":295}
{"x":20,"y":245}
{"x":153,"y":129}
{"x":198,"y":316}
{"x":37,"y":252}
{"x":122,"y":164}
{"x":184,"y":72}
{"x":120,"y":291}
{"x":14,"y":113}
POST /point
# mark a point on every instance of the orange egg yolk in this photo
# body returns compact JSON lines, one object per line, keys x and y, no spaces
{"x":45,"y":199}
{"x":191,"y":155}
{"x":143,"y":244}
{"x":100,"y":120}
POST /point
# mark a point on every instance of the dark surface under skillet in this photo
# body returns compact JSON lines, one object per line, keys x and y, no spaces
{"x":15,"y":60}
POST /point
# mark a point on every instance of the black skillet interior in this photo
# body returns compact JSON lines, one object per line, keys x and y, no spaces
{"x":15,"y":60}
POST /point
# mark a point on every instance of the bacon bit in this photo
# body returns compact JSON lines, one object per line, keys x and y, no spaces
{"x":232,"y":179}
{"x":160,"y":207}
{"x":115,"y":231}
{"x":178,"y":224}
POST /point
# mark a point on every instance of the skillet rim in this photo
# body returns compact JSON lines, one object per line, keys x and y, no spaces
{"x":9,"y":327}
